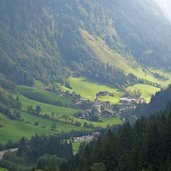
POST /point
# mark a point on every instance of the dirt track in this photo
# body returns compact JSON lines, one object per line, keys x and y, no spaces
{"x":2,"y":153}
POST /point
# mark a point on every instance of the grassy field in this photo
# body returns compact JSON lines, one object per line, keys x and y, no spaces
{"x":14,"y":130}
{"x":75,"y":146}
{"x":61,"y":111}
{"x":3,"y":169}
{"x":26,"y":127}
{"x":146,"y":90}
{"x":46,"y":108}
{"x":88,"y":89}
{"x":49,"y":96}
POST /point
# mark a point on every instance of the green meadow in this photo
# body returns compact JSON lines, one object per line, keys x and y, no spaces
{"x":14,"y":130}
{"x":58,"y":112}
{"x":75,"y":146}
{"x":146,"y":90}
{"x":88,"y":89}
{"x":46,"y":108}
{"x":62,"y":112}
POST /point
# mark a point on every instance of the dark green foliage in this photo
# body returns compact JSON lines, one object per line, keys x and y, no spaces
{"x":53,"y":126}
{"x":136,"y":23}
{"x":94,"y":118}
{"x":107,"y":74}
{"x":45,"y":153}
{"x":77,"y":124}
{"x":42,"y":98}
{"x":144,"y":146}
{"x":52,"y":166}
{"x":51,"y":48}
{"x":36,"y":123}
{"x":9,"y":105}
{"x":34,"y":111}
{"x":98,"y":167}
{"x":8,"y":85}
{"x":38,"y":109}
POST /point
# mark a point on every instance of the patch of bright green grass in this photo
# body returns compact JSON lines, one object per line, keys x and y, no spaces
{"x":88,"y":89}
{"x":39,"y":84}
{"x":105,"y":121}
{"x":14,"y":130}
{"x":3,"y":169}
{"x":75,"y":146}
{"x":146,"y":90}
{"x":46,"y":108}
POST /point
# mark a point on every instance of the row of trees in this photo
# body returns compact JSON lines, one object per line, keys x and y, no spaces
{"x":34,"y":111}
{"x":43,"y":98}
{"x":107,"y":74}
{"x":12,"y":71}
{"x":9,"y":105}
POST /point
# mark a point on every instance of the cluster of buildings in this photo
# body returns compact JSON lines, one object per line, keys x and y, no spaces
{"x":106,"y":109}
{"x":127,"y":104}
{"x":87,"y":138}
{"x":99,"y":108}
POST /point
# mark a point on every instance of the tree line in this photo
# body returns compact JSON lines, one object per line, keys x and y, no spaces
{"x":145,"y":146}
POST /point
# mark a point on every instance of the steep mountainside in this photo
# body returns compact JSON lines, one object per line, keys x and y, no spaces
{"x":143,"y":29}
{"x":43,"y":39}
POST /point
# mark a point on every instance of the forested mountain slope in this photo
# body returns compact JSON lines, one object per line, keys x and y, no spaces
{"x":42,"y":39}
{"x":143,"y":29}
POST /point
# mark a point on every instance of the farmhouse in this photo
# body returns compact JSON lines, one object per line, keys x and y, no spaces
{"x":107,"y":113}
{"x":97,"y":102}
{"x":132,"y":100}
{"x":127,"y":104}
{"x":94,"y":135}
{"x":104,"y":93}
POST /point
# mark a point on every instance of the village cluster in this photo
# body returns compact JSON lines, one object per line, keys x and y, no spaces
{"x":104,"y":109}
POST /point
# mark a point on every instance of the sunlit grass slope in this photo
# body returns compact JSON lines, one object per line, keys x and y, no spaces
{"x":88,"y":89}
{"x":60,"y":113}
{"x":14,"y":130}
{"x":146,"y":90}
{"x":46,"y":108}
{"x":3,"y":169}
